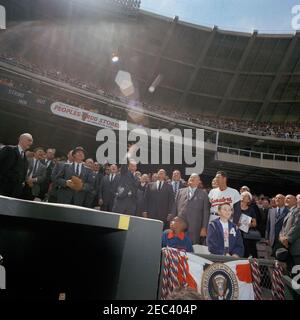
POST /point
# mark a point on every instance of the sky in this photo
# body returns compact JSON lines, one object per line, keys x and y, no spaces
{"x":266,"y":16}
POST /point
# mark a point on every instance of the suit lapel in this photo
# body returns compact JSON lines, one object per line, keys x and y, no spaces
{"x":83,"y":171}
{"x":287,"y":216}
{"x":186,"y":191}
{"x":17,"y":152}
{"x":282,"y":215}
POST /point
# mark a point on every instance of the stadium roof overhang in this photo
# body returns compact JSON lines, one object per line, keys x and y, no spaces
{"x":208,"y":71}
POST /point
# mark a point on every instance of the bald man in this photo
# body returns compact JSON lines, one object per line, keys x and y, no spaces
{"x":275,"y":221}
{"x":289,"y":235}
{"x":298,"y":200}
{"x":13,"y":167}
{"x":159,"y":199}
{"x":192,"y":204}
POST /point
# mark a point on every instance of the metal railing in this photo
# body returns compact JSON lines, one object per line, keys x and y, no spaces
{"x":139,"y":107}
{"x":266,"y":267}
{"x":259,"y":155}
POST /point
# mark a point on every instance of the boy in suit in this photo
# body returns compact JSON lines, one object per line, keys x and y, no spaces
{"x":223,"y":236}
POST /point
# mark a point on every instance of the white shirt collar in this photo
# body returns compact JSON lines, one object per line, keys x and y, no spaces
{"x":158,"y":181}
{"x":20,"y":149}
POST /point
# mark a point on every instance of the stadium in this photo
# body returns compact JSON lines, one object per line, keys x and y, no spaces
{"x":69,"y":68}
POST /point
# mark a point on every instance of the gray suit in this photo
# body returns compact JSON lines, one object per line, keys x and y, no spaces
{"x":40,"y":173}
{"x":54,"y":187}
{"x":195,"y":211}
{"x":291,"y":229}
{"x":67,"y":195}
{"x":274,"y":225}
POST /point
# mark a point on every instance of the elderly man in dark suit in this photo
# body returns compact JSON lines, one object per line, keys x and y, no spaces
{"x":159,"y":199}
{"x":36,"y":176}
{"x":108,"y":188}
{"x":13,"y":167}
{"x":192,"y":204}
{"x":74,"y":180}
{"x":290,"y":233}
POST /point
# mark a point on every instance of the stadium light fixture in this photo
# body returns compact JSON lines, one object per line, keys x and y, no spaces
{"x":155,"y":83}
{"x":151,"y":89}
{"x":115,"y":57}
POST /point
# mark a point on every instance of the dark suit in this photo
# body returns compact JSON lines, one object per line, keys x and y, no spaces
{"x":92,"y":195}
{"x":107,"y":191}
{"x":195,"y":211}
{"x":176,"y":187}
{"x":159,"y":203}
{"x":141,"y":200}
{"x":13,"y":169}
{"x":66,"y":194}
{"x":126,"y":197}
{"x":40,"y":175}
{"x":45,"y":185}
{"x":52,"y":196}
{"x":262,"y":221}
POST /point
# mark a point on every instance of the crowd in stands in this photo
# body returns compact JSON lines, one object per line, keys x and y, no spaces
{"x":228,"y":221}
{"x":287,"y":130}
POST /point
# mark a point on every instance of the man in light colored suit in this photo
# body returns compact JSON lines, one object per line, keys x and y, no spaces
{"x":36,"y":175}
{"x":290,"y":233}
{"x":66,"y":192}
{"x":192,"y":204}
{"x":275,"y":221}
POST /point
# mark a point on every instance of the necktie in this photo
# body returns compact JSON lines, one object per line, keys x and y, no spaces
{"x":77,"y":169}
{"x":111,"y":177}
{"x":176,"y":186}
{"x":191,"y":193}
{"x":159,"y":186}
{"x":22,"y":154}
{"x":34,"y":168}
{"x":278,"y":213}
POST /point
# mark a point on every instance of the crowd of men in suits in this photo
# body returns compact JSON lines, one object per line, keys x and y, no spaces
{"x":40,"y":176}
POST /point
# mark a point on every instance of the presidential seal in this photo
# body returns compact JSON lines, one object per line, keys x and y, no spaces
{"x":219,"y":283}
